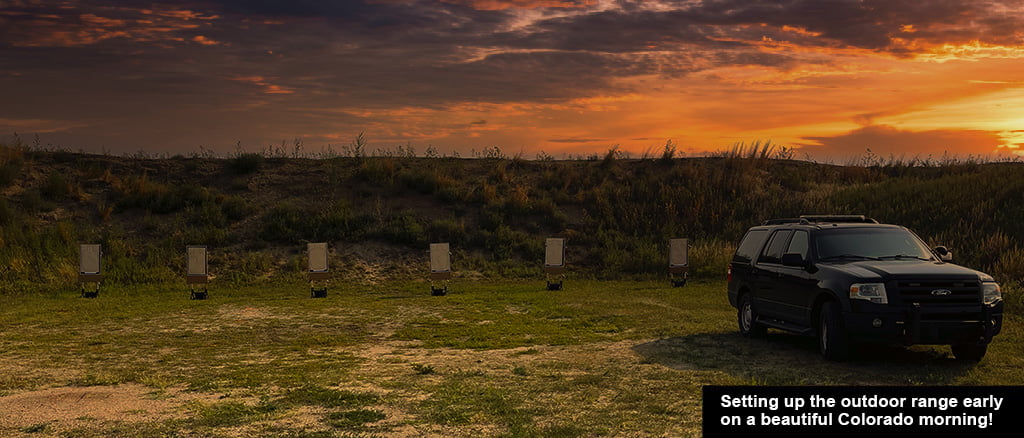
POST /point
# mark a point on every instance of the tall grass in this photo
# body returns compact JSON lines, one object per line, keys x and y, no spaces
{"x":618,"y":213}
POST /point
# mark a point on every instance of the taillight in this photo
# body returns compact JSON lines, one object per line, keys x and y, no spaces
{"x":728,"y":274}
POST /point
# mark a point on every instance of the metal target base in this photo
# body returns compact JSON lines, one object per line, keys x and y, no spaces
{"x":678,"y":282}
{"x":554,"y":285}
{"x":91,"y":293}
{"x":318,"y":293}
{"x":199,"y":295}
{"x":438,"y":291}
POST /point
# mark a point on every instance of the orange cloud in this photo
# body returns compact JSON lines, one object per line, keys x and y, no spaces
{"x":972,"y":51}
{"x":206,"y":41}
{"x":264,"y":83}
{"x":73,"y":27}
{"x":499,"y":5}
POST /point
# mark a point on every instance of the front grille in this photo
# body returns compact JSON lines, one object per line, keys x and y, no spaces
{"x":933,"y":292}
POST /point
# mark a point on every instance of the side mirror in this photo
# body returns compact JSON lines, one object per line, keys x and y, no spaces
{"x":793,"y":259}
{"x":944,"y":254}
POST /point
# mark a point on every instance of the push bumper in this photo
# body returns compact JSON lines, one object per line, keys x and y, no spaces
{"x":934,"y":325}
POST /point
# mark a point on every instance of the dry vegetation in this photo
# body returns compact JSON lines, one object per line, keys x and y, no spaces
{"x":380,"y":357}
{"x":256,"y":211}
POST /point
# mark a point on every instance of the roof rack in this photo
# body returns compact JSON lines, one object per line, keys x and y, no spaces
{"x":858,"y":218}
{"x":781,"y":221}
{"x":817,"y":219}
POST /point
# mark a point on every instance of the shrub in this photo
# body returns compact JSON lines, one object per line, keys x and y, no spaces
{"x":6,"y":213}
{"x":10,"y":169}
{"x":55,"y":187}
{"x":32,"y":201}
{"x":404,"y":229}
{"x":380,"y":171}
{"x":246,"y":163}
{"x":446,"y":230}
{"x":285,"y":223}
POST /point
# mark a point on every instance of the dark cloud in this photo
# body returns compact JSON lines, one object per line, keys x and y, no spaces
{"x":886,"y":141}
{"x":871,"y":24}
{"x":348,"y":9}
{"x":610,"y":31}
{"x":305,"y":63}
{"x":882,"y":25}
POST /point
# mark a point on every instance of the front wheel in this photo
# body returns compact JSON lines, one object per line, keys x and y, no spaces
{"x":969,"y":352}
{"x":832,"y":339}
{"x":747,"y":319}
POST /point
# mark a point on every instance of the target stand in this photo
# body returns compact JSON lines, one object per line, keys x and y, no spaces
{"x":197,"y":277}
{"x":678,"y":261}
{"x":554,"y":262}
{"x":319,"y":274}
{"x":89,"y":276}
{"x":440,"y":268}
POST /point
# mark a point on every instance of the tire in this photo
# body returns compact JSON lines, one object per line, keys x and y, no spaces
{"x":746,"y":318}
{"x":833,"y":342}
{"x":969,"y":352}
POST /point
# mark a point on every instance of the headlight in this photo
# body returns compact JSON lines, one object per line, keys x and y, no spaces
{"x":873,"y":292}
{"x":991,"y":292}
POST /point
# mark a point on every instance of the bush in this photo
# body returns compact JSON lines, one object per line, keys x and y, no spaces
{"x":246,"y":163}
{"x":55,"y":187}
{"x":404,"y":229}
{"x":425,"y":181}
{"x":9,"y":172}
{"x":6,"y":213}
{"x":446,"y":230}
{"x":286,"y":224}
{"x":235,"y":208}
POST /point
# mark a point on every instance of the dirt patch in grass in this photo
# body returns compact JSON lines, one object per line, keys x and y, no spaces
{"x":134,"y":403}
{"x":398,"y":355}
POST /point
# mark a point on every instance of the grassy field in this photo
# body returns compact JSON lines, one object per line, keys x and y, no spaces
{"x":600,"y":358}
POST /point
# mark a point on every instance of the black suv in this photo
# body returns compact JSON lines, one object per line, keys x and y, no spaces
{"x":849,"y":279}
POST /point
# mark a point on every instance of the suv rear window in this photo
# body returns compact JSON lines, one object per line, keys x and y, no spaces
{"x":749,"y":246}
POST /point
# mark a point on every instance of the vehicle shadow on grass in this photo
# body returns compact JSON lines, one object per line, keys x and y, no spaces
{"x":786,"y":359}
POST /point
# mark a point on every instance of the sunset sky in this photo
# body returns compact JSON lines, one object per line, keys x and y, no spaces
{"x":830,"y":78}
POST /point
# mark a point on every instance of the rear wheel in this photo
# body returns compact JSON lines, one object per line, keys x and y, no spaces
{"x":747,"y":319}
{"x":832,"y":339}
{"x":969,"y":352}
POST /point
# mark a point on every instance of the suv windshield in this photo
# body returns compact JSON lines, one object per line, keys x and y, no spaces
{"x":870,"y":243}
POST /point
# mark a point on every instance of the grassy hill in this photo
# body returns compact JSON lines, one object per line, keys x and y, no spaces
{"x":257,"y":211}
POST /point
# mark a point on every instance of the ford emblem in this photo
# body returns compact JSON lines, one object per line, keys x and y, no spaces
{"x":941,"y":292}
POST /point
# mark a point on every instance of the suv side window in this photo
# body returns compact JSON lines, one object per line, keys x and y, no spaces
{"x":798,"y":243}
{"x":773,"y":252}
{"x":749,"y":246}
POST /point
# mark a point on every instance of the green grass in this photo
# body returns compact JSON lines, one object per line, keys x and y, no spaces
{"x":489,"y":359}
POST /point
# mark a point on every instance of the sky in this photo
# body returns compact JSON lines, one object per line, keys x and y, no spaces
{"x":829,"y":79}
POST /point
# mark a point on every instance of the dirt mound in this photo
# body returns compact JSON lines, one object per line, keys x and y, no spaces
{"x":69,"y":404}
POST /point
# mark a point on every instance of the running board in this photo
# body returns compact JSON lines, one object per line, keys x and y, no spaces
{"x":782,"y":325}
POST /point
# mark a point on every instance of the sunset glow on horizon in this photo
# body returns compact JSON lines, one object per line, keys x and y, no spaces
{"x":831,"y":79}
